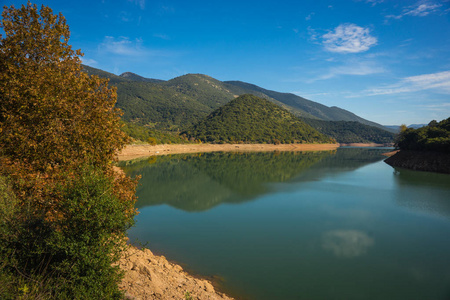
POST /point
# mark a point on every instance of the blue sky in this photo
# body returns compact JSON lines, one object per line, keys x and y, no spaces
{"x":386,"y":61}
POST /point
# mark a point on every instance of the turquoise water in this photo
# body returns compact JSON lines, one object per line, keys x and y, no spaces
{"x":323,"y":225}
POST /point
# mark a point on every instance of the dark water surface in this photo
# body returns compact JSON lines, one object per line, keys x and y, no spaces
{"x":312,"y":225}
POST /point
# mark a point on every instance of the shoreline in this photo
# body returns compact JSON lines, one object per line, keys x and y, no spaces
{"x":136,"y":151}
{"x":149,"y":276}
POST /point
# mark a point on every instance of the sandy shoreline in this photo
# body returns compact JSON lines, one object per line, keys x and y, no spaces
{"x":135,"y":151}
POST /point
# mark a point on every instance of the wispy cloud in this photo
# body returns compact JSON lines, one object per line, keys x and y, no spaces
{"x":372,"y":2}
{"x":140,"y":3}
{"x":126,"y":49}
{"x":308,"y":17}
{"x":436,"y":81}
{"x":355,"y":68}
{"x":420,"y":9}
{"x":162,"y":36}
{"x":435,"y":107}
{"x":123,"y":46}
{"x":348,"y":38}
{"x":88,"y":61}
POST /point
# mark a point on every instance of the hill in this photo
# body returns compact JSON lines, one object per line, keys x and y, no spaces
{"x":351,"y":131}
{"x":251,"y":119}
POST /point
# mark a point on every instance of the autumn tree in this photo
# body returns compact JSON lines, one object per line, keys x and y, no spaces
{"x":59,"y":137}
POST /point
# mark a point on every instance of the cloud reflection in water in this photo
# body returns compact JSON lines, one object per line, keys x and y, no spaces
{"x":347,"y":243}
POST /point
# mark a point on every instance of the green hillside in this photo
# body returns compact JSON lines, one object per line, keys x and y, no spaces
{"x":351,"y":131}
{"x":306,"y":108}
{"x":250,"y":119}
{"x":177,"y":104}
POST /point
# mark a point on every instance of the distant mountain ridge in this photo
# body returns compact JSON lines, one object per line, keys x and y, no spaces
{"x":179,"y":103}
{"x":135,"y":77}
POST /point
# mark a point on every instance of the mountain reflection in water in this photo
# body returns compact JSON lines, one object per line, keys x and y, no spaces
{"x":198,"y":182}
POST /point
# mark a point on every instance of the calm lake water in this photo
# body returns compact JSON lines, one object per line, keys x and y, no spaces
{"x":312,"y":225}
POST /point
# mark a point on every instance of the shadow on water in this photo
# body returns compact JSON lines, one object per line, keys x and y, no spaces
{"x":198,"y":182}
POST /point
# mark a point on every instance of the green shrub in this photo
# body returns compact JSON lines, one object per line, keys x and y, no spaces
{"x":71,"y":257}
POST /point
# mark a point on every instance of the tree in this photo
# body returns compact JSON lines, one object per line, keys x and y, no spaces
{"x":51,"y":113}
{"x":59,"y":136}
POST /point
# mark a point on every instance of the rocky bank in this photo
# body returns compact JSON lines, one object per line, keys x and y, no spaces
{"x":148,"y":276}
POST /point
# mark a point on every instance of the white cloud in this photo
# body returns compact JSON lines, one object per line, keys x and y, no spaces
{"x":420,"y":9}
{"x":349,"y":38}
{"x":439,"y":82}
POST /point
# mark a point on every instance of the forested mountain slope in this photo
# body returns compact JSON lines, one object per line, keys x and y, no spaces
{"x":177,"y":104}
{"x":251,"y":119}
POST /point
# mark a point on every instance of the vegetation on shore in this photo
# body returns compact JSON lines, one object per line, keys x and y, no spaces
{"x":424,"y":149}
{"x":249,"y":119}
{"x":63,"y":210}
{"x":434,"y":137}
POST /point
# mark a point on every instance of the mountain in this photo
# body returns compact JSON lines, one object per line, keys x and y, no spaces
{"x":307,"y":108}
{"x":252,"y":119}
{"x":177,"y":104}
{"x":417,"y":126}
{"x":396,"y":128}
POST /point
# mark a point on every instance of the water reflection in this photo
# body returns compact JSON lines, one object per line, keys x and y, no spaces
{"x":201,"y":181}
{"x":414,"y":190}
{"x":347,"y":243}
{"x":198,"y":182}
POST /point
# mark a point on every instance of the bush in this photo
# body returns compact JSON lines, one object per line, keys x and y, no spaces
{"x":71,"y":257}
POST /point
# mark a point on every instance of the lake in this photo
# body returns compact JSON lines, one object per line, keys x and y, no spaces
{"x":314,"y":225}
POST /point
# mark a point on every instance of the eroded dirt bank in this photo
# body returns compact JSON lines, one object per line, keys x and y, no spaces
{"x":136,"y":151}
{"x":421,"y":161}
{"x":148,"y":276}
